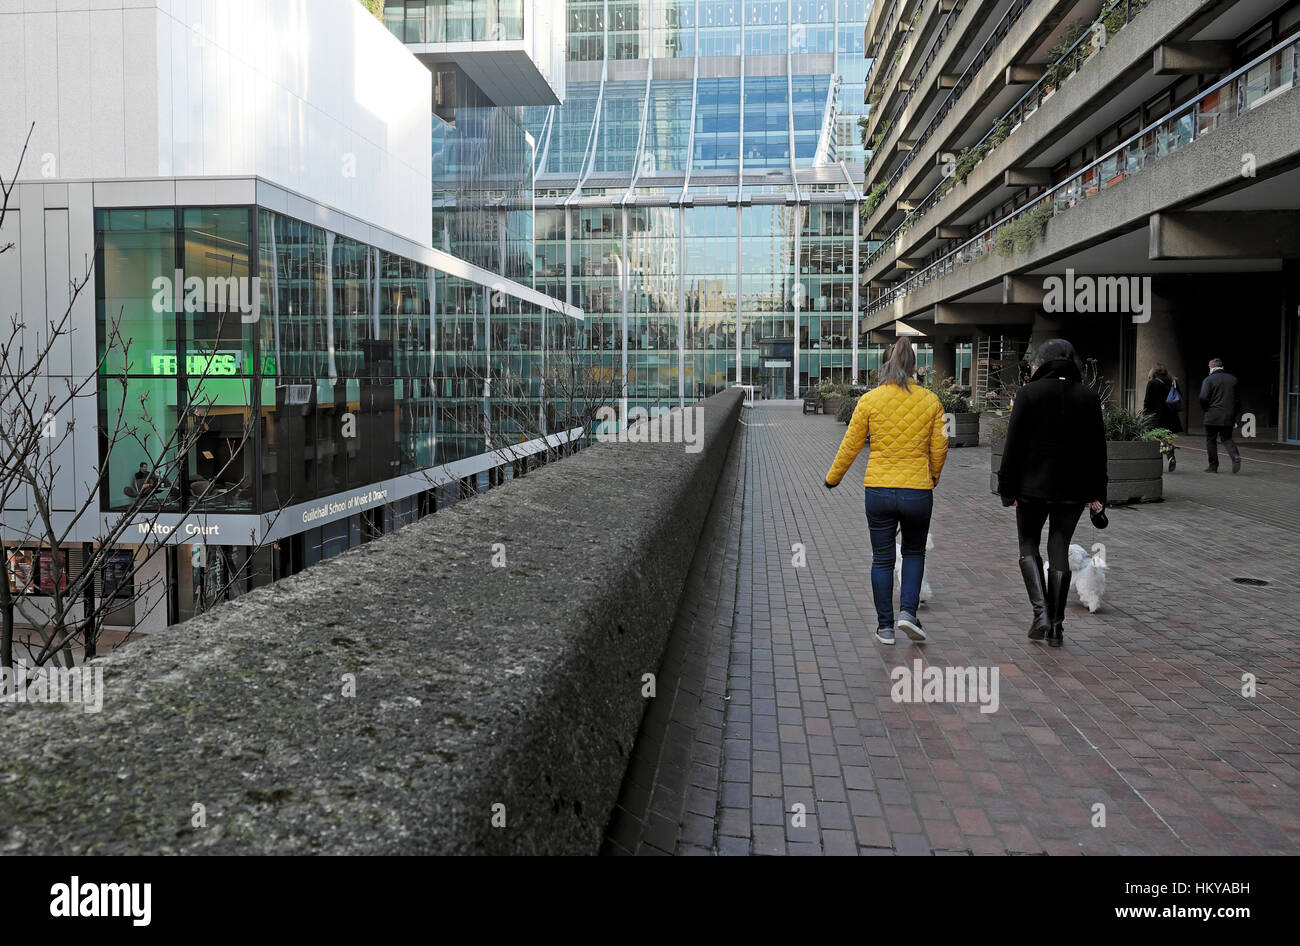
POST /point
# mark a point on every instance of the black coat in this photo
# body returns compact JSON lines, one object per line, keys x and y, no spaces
{"x":1055,"y":449}
{"x":1219,"y":399}
{"x":1154,"y":403}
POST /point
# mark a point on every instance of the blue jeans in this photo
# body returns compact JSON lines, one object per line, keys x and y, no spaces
{"x":887,"y":510}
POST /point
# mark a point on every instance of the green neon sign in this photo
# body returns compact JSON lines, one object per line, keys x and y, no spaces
{"x":205,"y":364}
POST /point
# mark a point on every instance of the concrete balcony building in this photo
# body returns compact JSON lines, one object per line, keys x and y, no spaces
{"x":1109,"y":141}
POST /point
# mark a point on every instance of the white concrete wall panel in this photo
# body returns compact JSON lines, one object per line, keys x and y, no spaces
{"x":313,"y":95}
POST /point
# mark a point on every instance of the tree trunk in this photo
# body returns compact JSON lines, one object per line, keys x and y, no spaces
{"x":6,"y":622}
{"x":88,"y":635}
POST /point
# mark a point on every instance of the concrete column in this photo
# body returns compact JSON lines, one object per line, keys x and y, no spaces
{"x":1157,"y":341}
{"x":1046,"y":327}
{"x":1289,"y":379}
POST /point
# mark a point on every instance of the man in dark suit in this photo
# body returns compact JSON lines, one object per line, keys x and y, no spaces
{"x":1219,"y":401}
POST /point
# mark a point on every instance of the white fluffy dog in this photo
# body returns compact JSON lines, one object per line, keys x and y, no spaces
{"x":925,"y":575}
{"x":1088,"y":575}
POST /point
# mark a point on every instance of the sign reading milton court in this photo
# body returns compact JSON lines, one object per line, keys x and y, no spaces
{"x":356,"y":501}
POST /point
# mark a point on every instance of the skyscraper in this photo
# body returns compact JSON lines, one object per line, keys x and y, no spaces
{"x":697,"y":192}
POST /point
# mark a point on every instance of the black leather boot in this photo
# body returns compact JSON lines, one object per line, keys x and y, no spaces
{"x":1058,"y":588}
{"x":1031,"y":569}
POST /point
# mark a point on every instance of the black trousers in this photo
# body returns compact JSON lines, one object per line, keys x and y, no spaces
{"x":1062,"y":519}
{"x":1212,"y":433}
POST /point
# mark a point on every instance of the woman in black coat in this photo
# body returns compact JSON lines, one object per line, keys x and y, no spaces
{"x":1156,"y":403}
{"x":1053,"y":464}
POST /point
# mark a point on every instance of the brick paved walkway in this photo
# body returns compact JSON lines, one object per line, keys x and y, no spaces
{"x":774,"y":693}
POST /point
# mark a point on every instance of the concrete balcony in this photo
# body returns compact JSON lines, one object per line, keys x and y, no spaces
{"x":976,"y":56}
{"x":913,"y":39}
{"x":521,"y":62}
{"x":1118,"y":216}
{"x":1046,"y":125}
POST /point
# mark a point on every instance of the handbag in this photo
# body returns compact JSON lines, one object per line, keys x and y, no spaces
{"x":1174,"y":399}
{"x":1099,"y":520}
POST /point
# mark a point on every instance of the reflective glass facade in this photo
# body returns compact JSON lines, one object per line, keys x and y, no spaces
{"x":454,"y":21}
{"x":349,"y":366}
{"x":483,"y":185}
{"x":697,"y":193}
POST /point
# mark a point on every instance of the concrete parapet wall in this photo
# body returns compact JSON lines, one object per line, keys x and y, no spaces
{"x":475,"y":686}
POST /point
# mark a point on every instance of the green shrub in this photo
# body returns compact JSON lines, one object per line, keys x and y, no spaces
{"x":844,"y":413}
{"x":953,"y":403}
{"x":968,"y":158}
{"x":1165,"y":438}
{"x":873,"y":199}
{"x":1063,"y":66}
{"x":880,"y":135}
{"x":1123,"y":424}
{"x":1001,"y":132}
{"x":1024,"y":231}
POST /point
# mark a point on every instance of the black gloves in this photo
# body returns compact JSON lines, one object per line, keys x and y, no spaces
{"x":830,"y":485}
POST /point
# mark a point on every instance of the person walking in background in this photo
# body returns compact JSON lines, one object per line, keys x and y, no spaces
{"x":1053,"y":464}
{"x":1159,"y":404}
{"x":909,"y":445}
{"x":1219,"y":401}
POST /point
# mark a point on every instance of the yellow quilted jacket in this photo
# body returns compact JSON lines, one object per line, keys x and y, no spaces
{"x":908,"y":442}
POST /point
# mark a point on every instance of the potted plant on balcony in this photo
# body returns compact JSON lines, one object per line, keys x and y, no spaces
{"x":965,"y":430}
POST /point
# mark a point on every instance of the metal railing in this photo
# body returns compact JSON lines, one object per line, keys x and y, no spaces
{"x":986,"y":51}
{"x":884,"y":27}
{"x":1024,"y":107}
{"x":898,"y":53}
{"x":927,"y":63}
{"x":1245,"y":89}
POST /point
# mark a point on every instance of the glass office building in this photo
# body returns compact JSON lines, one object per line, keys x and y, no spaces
{"x":324,"y":369}
{"x":313,"y":300}
{"x":697,"y":192}
{"x":483,"y":183}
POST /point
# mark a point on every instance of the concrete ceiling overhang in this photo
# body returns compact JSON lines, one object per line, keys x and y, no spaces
{"x":503,"y":70}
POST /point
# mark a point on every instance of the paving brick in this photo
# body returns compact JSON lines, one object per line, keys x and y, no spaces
{"x":774,"y":691}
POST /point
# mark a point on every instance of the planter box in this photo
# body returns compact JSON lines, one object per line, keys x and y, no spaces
{"x":830,"y":404}
{"x":966,"y":430}
{"x":1134,"y":471}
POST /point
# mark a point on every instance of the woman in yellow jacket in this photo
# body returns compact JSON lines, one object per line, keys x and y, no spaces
{"x":909,"y":445}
